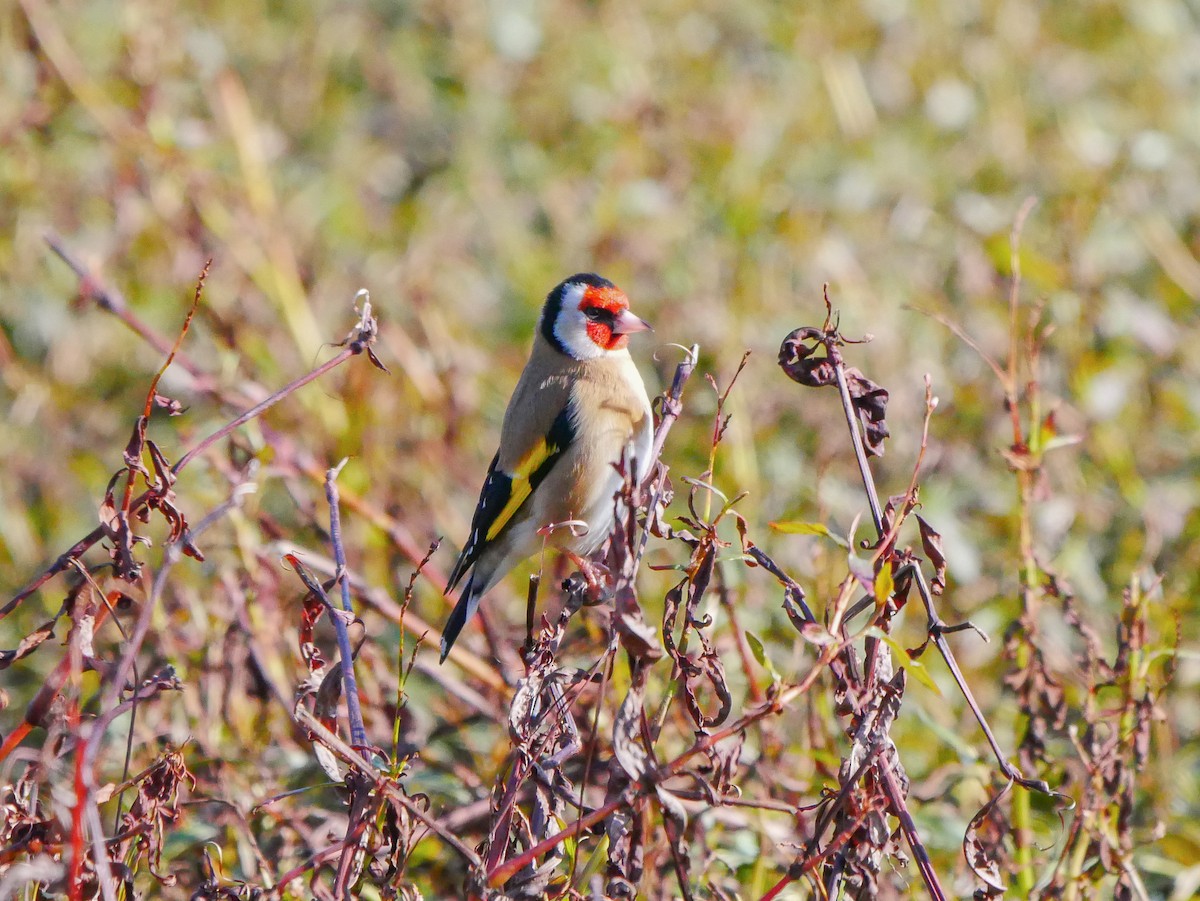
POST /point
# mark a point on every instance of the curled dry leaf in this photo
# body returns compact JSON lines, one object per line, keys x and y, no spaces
{"x":983,"y":856}
{"x":870,"y":403}
{"x":137,"y":443}
{"x":156,"y":807}
{"x":638,"y":637}
{"x":172,"y":406}
{"x":28,"y":644}
{"x":931,"y":541}
{"x":627,"y":735}
{"x":798,"y":360}
{"x":685,"y":598}
{"x":328,"y":694}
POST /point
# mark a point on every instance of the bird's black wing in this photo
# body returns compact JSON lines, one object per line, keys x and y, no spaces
{"x":505,"y":493}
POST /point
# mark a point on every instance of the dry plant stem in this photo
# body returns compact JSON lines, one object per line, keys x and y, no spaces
{"x":99,"y":852}
{"x":36,"y":711}
{"x":1022,"y":813}
{"x":937,"y":629}
{"x":745,"y":655}
{"x":99,"y":592}
{"x":382,"y":602}
{"x":357,"y":820}
{"x":171,"y":554}
{"x":390,"y":526}
{"x":82,"y":789}
{"x":63,"y":563}
{"x":672,"y":402}
{"x":760,"y":557}
{"x":891,"y":784}
{"x":773,"y":708}
{"x":383,"y":783}
{"x":91,"y":287}
{"x":655,"y":483}
{"x":112,"y":301}
{"x":84,"y":544}
{"x":894,"y":790}
{"x":91,"y":738}
{"x":510,"y":868}
{"x":860,"y":451}
{"x":804,"y":862}
{"x":808,"y":862}
{"x":795,"y":872}
{"x":350,"y":350}
{"x":358,"y":732}
{"x":937,"y":633}
{"x":317,"y":859}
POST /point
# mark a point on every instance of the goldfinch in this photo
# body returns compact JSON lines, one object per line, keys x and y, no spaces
{"x":578,"y":407}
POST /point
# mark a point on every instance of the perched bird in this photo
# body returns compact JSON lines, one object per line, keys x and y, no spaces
{"x":578,"y":407}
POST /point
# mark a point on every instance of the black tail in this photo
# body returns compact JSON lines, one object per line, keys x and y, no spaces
{"x":468,"y":603}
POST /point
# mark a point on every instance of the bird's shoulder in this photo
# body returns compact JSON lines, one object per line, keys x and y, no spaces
{"x":540,"y":401}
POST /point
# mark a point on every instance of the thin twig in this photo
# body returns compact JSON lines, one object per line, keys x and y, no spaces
{"x":258,"y":409}
{"x":860,"y":450}
{"x":355,"y":347}
{"x":358,"y":732}
{"x":672,"y":404}
{"x":109,"y":299}
{"x":383,"y":783}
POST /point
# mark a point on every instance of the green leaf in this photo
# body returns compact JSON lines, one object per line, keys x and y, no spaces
{"x":910,"y":663}
{"x":593,"y":863}
{"x":760,"y":654}
{"x":735,"y":558}
{"x":809,"y":528}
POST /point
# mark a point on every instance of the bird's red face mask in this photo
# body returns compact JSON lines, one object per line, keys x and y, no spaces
{"x":609,"y":321}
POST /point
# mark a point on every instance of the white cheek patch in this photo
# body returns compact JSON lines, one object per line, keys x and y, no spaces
{"x":571,"y":330}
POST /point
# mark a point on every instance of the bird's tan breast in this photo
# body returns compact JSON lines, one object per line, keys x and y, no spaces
{"x":610,"y":408}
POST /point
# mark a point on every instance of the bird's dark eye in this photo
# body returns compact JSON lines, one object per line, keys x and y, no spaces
{"x":597,"y":314}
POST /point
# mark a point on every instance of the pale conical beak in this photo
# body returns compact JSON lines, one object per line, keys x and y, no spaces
{"x":627,"y":323}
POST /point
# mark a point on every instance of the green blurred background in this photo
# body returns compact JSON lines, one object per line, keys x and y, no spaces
{"x":720,"y":162}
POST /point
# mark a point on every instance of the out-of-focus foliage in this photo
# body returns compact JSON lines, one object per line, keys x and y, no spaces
{"x":720,"y":162}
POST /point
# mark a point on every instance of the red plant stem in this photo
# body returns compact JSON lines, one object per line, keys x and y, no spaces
{"x":498,"y":836}
{"x":510,"y":868}
{"x":796,"y":870}
{"x":895,"y":793}
{"x":41,"y":702}
{"x":317,"y":859}
{"x":13,"y":739}
{"x":75,"y":873}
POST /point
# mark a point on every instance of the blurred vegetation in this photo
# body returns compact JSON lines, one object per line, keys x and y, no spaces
{"x":718,"y":161}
